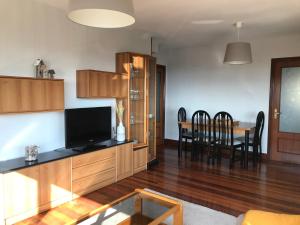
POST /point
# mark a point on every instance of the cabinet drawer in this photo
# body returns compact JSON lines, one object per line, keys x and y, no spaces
{"x":94,"y":182}
{"x":93,"y":168}
{"x":92,"y":157}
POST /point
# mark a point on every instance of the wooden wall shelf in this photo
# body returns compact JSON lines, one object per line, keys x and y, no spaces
{"x":101,"y":84}
{"x":27,"y":94}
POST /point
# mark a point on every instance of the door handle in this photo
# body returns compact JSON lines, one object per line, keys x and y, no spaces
{"x":276,"y":114}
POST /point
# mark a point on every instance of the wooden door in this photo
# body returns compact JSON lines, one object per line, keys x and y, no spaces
{"x":55,"y":183}
{"x":38,"y":97}
{"x":284,"y":119}
{"x":55,"y":95}
{"x":151,"y":107}
{"x":10,"y":96}
{"x":160,"y":103}
{"x":140,"y":160}
{"x":124,"y":161}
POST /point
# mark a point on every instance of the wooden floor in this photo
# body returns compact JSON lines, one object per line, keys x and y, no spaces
{"x":272,"y":186}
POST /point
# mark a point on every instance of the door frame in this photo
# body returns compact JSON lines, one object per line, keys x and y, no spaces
{"x":163,"y":103}
{"x":271,"y":95}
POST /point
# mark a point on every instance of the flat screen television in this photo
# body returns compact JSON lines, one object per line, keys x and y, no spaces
{"x":87,"y":126}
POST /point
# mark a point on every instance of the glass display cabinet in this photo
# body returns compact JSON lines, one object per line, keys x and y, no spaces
{"x":140,"y":107}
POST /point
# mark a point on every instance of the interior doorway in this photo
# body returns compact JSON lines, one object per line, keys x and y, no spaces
{"x":160,"y":103}
{"x":284,"y":112}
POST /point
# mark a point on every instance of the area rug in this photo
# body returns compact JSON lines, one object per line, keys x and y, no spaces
{"x":193,"y":214}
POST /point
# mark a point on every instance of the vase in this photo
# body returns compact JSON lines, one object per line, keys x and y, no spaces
{"x":120,"y":132}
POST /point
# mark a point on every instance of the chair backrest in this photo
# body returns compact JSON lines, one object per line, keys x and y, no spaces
{"x":259,"y":127}
{"x":201,"y":127}
{"x":181,"y":117}
{"x":223,"y":129}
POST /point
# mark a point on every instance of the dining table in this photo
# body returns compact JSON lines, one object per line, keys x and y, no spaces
{"x":239,"y":129}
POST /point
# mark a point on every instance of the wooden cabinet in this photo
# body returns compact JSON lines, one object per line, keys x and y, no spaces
{"x":124,"y":161}
{"x":21,"y":193}
{"x":55,"y":95}
{"x":140,"y":121}
{"x":55,"y":183}
{"x":27,"y":192}
{"x":140,"y":160}
{"x":10,"y":93}
{"x":93,"y":170}
{"x":30,"y":191}
{"x":100,"y":84}
{"x":22,"y":94}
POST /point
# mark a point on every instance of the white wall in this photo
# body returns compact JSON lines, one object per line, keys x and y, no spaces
{"x":31,"y":29}
{"x":198,"y":79}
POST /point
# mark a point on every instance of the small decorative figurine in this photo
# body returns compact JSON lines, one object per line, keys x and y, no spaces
{"x":120,"y":128}
{"x":51,"y":74}
{"x":40,"y":68}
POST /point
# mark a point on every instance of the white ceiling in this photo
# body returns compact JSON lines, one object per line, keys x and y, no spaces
{"x":171,"y":20}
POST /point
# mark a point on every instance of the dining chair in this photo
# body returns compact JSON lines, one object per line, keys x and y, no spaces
{"x":223,"y":138}
{"x":185,"y":134}
{"x":255,"y":139}
{"x":201,"y":134}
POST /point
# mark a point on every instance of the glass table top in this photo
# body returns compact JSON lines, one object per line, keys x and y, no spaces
{"x":135,"y":209}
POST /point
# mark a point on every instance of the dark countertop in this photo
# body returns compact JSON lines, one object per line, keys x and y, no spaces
{"x":61,"y":153}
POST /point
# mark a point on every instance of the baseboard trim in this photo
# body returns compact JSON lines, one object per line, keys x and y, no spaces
{"x":171,"y":142}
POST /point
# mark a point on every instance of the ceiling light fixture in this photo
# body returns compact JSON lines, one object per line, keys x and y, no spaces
{"x":102,"y":13}
{"x":238,"y":53}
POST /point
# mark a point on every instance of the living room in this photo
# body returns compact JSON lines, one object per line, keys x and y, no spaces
{"x":58,"y":68}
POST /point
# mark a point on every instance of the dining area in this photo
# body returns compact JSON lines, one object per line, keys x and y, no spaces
{"x":219,"y":137}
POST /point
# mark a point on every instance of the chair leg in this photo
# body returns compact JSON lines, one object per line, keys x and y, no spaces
{"x":185,"y":145}
{"x":255,"y":155}
{"x":219,"y":155}
{"x":193,"y":150}
{"x":178,"y":146}
{"x":213,"y":154}
{"x":202,"y":151}
{"x":197,"y":149}
{"x":208,"y":154}
{"x":232,"y":157}
{"x":260,"y":153}
{"x":242,"y":156}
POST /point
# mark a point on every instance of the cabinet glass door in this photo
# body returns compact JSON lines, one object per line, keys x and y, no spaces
{"x":137,"y":101}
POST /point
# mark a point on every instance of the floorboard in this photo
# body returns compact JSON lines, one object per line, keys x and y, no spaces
{"x":272,"y":186}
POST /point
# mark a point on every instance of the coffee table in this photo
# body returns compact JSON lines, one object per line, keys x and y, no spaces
{"x":138,"y":208}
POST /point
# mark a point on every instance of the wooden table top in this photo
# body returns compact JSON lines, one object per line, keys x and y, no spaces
{"x":239,"y":127}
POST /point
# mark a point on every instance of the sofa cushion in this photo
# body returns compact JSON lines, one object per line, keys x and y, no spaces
{"x":256,"y":217}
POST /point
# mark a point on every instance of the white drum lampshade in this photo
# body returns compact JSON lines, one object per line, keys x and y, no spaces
{"x":238,"y":53}
{"x":102,"y":13}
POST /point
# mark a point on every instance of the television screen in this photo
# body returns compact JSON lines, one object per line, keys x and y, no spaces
{"x":86,"y":126}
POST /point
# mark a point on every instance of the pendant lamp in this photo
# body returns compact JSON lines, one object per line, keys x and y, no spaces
{"x":102,"y":13}
{"x":238,"y":53}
